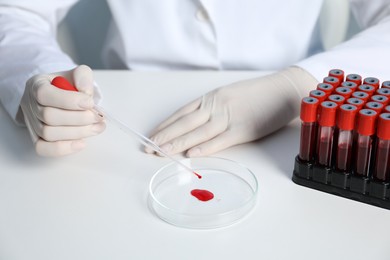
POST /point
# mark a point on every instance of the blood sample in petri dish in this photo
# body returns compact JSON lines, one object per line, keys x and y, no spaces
{"x":202,"y":195}
{"x":365,"y":130}
{"x":376,"y":106}
{"x":338,"y":99}
{"x":356,"y":78}
{"x":345,"y":92}
{"x":370,"y":90}
{"x":326,"y":123}
{"x":380,"y":99}
{"x":349,"y":84}
{"x":308,"y":117}
{"x":372,"y":81}
{"x":327,"y":88}
{"x":345,"y":124}
{"x":337,"y":73}
{"x":318,"y":94}
{"x":335,"y":82}
{"x":362,"y":95}
{"x":386,"y":84}
{"x":359,"y":103}
{"x":382,"y":162}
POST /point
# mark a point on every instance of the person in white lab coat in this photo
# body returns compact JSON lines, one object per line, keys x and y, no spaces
{"x":182,"y":34}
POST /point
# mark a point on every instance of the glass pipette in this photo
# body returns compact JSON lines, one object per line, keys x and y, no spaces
{"x":63,"y":83}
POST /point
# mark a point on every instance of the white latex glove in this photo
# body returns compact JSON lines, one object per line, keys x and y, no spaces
{"x":234,"y":114}
{"x":59,"y":120}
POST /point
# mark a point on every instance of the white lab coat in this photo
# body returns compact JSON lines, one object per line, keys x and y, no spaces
{"x":193,"y":34}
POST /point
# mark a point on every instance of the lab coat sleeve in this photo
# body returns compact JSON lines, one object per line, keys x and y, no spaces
{"x":367,"y":53}
{"x":28,"y":46}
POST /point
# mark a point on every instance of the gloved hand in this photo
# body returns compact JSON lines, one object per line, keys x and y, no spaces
{"x":234,"y":114}
{"x":57,"y":119}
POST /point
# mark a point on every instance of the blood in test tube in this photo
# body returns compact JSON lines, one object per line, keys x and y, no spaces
{"x":370,"y":90}
{"x":382,"y":162}
{"x":386,"y":84}
{"x":345,"y":92}
{"x":361,"y":95}
{"x":335,"y":82}
{"x":318,"y":94}
{"x":376,"y":106}
{"x":380,"y":99}
{"x":354,"y":78}
{"x":326,"y":123}
{"x":359,"y":103}
{"x":365,"y":134}
{"x":308,"y":117}
{"x":337,"y":73}
{"x":386,"y":109}
{"x":345,"y":124}
{"x":349,"y":84}
{"x":327,"y":88}
{"x":372,"y":81}
{"x":338,"y":99}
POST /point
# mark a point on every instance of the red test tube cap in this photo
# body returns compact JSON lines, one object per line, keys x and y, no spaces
{"x":327,"y":114}
{"x":383,"y":91}
{"x":386,"y":84}
{"x":383,"y":131}
{"x":349,"y":84}
{"x":376,"y":106}
{"x":379,"y":98}
{"x":327,"y":88}
{"x":361,"y":95}
{"x":337,"y":73}
{"x":372,"y":81}
{"x":366,"y":122}
{"x":386,"y":109}
{"x":345,"y":92}
{"x":335,"y":82}
{"x":356,"y":78}
{"x":370,"y":90}
{"x":309,"y":109}
{"x":338,"y":99}
{"x":319,"y":94}
{"x":346,"y":117}
{"x":357,"y":102}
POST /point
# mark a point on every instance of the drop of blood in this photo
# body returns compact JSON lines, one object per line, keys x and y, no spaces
{"x":202,"y":195}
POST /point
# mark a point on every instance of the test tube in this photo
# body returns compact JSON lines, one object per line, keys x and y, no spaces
{"x":357,"y":102}
{"x":345,"y":125}
{"x":338,"y":99}
{"x":337,"y":73}
{"x":382,"y":162}
{"x":376,"y":106}
{"x":349,"y":84}
{"x":380,"y":99}
{"x":345,"y":92}
{"x":383,"y":92}
{"x":335,"y":82}
{"x":318,"y":94}
{"x":361,"y":95}
{"x":370,"y":90}
{"x":308,"y":128}
{"x":327,"y":88}
{"x":386,"y":84}
{"x":365,"y":131}
{"x":372,"y":81}
{"x":354,"y":78}
{"x":326,"y":123}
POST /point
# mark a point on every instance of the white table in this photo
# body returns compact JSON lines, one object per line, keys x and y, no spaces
{"x":93,"y":205}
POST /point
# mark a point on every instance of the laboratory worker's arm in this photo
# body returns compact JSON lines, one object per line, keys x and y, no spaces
{"x":248,"y":110}
{"x":57,"y":120}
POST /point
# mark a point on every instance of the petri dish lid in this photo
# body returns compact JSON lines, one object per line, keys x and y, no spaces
{"x":226,"y":193}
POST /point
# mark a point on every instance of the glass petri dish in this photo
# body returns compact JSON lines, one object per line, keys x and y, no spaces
{"x":226,"y":192}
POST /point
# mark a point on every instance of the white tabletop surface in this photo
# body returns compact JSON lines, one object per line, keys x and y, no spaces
{"x":93,"y":205}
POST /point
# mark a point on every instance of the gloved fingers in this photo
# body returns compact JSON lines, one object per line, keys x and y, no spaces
{"x":61,"y":117}
{"x":218,"y":143}
{"x":197,"y":136}
{"x":58,"y":133}
{"x":48,"y":95}
{"x":58,"y":148}
{"x":191,"y":107}
{"x":179,"y":127}
{"x":83,"y":79}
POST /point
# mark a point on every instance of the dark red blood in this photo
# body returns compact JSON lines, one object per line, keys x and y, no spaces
{"x":198,"y":175}
{"x":63,"y":83}
{"x":203,"y":195}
